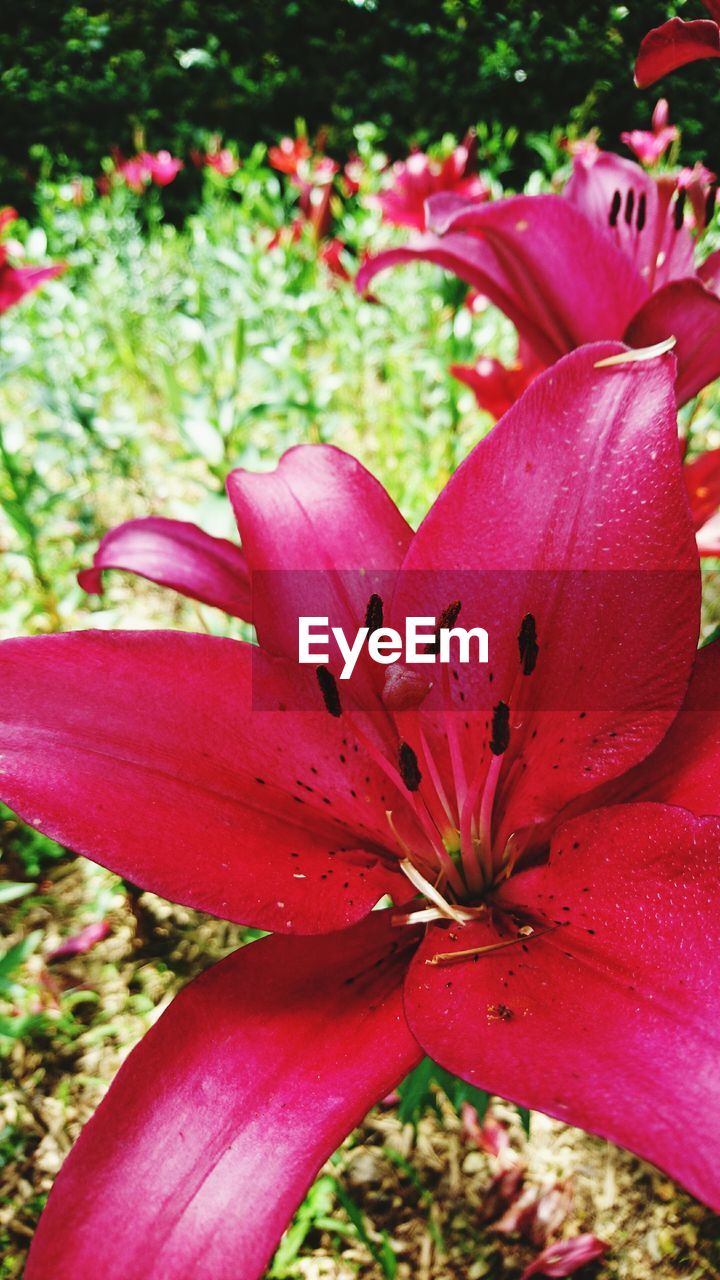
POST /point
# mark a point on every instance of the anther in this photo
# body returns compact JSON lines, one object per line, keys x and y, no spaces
{"x":446,"y":622}
{"x":629,"y":206}
{"x":500,"y":739}
{"x":642,"y":211}
{"x":528,"y":645}
{"x":408,"y":765}
{"x":615,"y":209}
{"x":710,"y":204}
{"x":374,"y":613}
{"x":329,"y":691}
{"x":679,"y":214}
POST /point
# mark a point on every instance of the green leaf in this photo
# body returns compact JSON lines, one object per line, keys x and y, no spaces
{"x":11,"y":890}
{"x":418,"y":1090}
{"x":16,"y":955}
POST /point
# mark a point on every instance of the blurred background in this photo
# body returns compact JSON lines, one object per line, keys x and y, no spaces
{"x":78,"y":79}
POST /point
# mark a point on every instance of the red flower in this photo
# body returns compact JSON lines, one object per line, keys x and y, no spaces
{"x":496,"y":385}
{"x":16,"y":282}
{"x":419,"y":177}
{"x":702,"y":480}
{"x":540,"y":825}
{"x":221,"y":159}
{"x":676,"y":43}
{"x":610,"y":258}
{"x":649,"y":147}
{"x":290,"y":154}
{"x":331,"y":253}
{"x":223,"y":162}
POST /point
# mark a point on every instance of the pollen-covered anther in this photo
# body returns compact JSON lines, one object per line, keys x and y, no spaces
{"x":642,"y":211}
{"x":446,"y":622}
{"x":374,"y":613}
{"x":409,"y":768}
{"x":615,"y":207}
{"x":528,"y":644}
{"x":329,"y":691}
{"x":500,"y":737}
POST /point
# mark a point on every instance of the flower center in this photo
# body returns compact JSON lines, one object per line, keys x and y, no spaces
{"x":450,"y":846}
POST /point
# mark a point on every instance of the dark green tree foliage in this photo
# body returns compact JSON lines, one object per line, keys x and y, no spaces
{"x":80,"y":78}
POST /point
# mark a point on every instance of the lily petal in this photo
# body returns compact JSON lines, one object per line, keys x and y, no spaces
{"x":596,"y":1019}
{"x":689,"y":312}
{"x":534,"y":238}
{"x":673,"y":45}
{"x":176,"y":554}
{"x":318,"y":514}
{"x":615,"y":600}
{"x":685,"y":768}
{"x":565,"y":1257}
{"x":660,"y":250}
{"x":16,"y":282}
{"x":226,"y":1111}
{"x":475,"y":261}
{"x":140,"y":751}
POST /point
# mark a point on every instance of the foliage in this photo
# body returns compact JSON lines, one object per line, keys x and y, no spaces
{"x":76,"y":79}
{"x":182,"y":352}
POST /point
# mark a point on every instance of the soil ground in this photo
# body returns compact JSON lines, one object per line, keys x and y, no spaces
{"x":424,"y":1196}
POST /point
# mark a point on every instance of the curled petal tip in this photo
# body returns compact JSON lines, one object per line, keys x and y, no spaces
{"x":638,"y":354}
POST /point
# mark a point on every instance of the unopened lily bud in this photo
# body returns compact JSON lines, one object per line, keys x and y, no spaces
{"x":661,"y":115}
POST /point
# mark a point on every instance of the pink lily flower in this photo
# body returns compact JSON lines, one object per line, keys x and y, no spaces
{"x":676,"y":43}
{"x":16,"y":282}
{"x":162,"y":166}
{"x":650,"y":146}
{"x":177,"y":554}
{"x":134,"y":172}
{"x":544,"y":826}
{"x":419,"y":177}
{"x":566,"y":1257}
{"x":609,"y":258}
